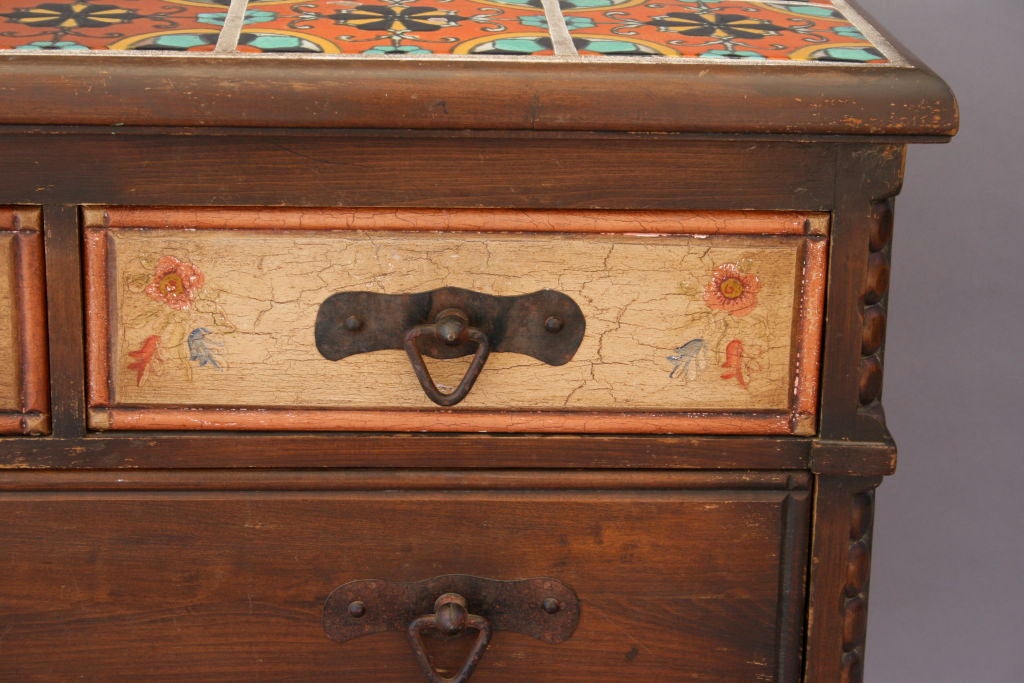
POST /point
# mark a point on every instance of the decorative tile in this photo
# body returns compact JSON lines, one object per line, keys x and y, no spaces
{"x":397,"y":27}
{"x":177,"y":25}
{"x":786,"y":30}
{"x":717,"y":29}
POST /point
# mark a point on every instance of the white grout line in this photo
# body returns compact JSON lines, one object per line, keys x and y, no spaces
{"x":232,"y":29}
{"x":561,"y":39}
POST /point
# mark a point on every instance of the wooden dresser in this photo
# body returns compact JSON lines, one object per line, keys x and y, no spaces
{"x":492,"y":340}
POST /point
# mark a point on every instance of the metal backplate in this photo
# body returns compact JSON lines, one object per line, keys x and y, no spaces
{"x":546,"y":325}
{"x":543,"y":608}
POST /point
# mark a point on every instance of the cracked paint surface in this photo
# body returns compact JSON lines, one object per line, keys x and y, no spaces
{"x":642,"y":296}
{"x":10,"y":397}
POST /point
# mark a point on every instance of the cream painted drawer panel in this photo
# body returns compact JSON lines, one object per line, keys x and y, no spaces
{"x":701,"y":323}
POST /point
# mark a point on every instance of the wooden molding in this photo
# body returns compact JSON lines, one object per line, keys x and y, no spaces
{"x":812,"y":321}
{"x":840,"y":566}
{"x":29,"y":303}
{"x":547,"y":422}
{"x":326,"y":451}
{"x":370,"y":480}
{"x":493,"y":94}
{"x":454,"y":220}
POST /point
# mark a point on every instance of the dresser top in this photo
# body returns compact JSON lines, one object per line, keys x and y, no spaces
{"x":715,"y":66}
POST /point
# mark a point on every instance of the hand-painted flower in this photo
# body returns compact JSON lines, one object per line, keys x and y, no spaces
{"x":147,"y":357}
{"x":175,"y":283}
{"x":732,"y":291}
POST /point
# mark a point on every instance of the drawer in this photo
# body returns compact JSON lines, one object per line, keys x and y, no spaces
{"x":667,"y":322}
{"x":685,"y":576}
{"x":24,"y":385}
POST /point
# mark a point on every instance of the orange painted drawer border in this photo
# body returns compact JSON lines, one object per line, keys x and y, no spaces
{"x":29,"y":301}
{"x":801,"y":419}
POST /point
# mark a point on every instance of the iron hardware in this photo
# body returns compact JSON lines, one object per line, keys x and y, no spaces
{"x":449,"y":323}
{"x":542,"y":608}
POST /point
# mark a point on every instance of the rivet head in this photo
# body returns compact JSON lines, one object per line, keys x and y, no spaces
{"x":553,"y":324}
{"x":356,"y":609}
{"x":550,"y":605}
{"x":353,"y":323}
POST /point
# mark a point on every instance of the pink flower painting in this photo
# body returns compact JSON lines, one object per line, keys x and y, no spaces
{"x":175,"y":283}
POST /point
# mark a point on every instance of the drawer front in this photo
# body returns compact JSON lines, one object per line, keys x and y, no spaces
{"x":693,"y":322}
{"x":23,"y":378}
{"x":672,"y":585}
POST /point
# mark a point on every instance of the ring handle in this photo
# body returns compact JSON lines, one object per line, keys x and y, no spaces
{"x":450,"y":618}
{"x":451,"y":326}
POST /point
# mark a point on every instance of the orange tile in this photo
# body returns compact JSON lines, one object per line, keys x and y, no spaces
{"x":713,"y":29}
{"x":413,"y":27}
{"x":29,"y":25}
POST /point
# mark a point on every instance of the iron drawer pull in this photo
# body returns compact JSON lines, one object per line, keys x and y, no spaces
{"x":451,"y":328}
{"x":450,"y":323}
{"x":542,"y":608}
{"x":451,"y":618}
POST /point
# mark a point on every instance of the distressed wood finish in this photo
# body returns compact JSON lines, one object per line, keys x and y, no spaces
{"x":665,"y":593}
{"x":479,"y":94}
{"x":252,"y":296}
{"x":872,"y":176}
{"x":300,"y":168}
{"x":194,"y":544}
{"x":24,"y":383}
{"x":840,"y":570}
{"x":126,"y":451}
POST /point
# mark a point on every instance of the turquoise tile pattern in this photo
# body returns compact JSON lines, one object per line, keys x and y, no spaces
{"x":796,"y":31}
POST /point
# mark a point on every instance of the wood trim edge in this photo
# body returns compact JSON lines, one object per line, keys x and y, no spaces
{"x":237,"y":419}
{"x":809,"y":341}
{"x":97,"y":295}
{"x":32,"y":324}
{"x":476,"y":220}
{"x":839,"y":579}
{"x":791,"y":483}
{"x":853,"y":458}
{"x":496,"y":94}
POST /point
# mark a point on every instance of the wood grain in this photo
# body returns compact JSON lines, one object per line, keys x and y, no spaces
{"x":840,"y":569}
{"x":643,"y":297}
{"x":434,"y":479}
{"x":65,"y":317}
{"x":867,"y":175}
{"x":674,"y":585}
{"x":125,"y":451}
{"x":300,"y":168}
{"x":154,"y":90}
{"x":24,"y":377}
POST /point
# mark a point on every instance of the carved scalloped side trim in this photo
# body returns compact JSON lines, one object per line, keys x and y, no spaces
{"x":874,"y":315}
{"x":855,"y":591}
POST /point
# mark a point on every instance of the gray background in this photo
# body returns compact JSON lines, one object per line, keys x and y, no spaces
{"x":947,"y":585}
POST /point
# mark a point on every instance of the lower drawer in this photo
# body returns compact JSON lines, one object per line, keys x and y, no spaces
{"x":691,"y":579}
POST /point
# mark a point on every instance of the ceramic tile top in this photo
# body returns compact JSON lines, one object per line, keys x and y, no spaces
{"x":793,"y":31}
{"x":717,"y":29}
{"x":398,"y":27}
{"x":77,"y":25}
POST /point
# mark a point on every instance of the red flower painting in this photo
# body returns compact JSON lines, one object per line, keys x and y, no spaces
{"x":146,"y":357}
{"x":732,"y":291}
{"x":175,"y":283}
